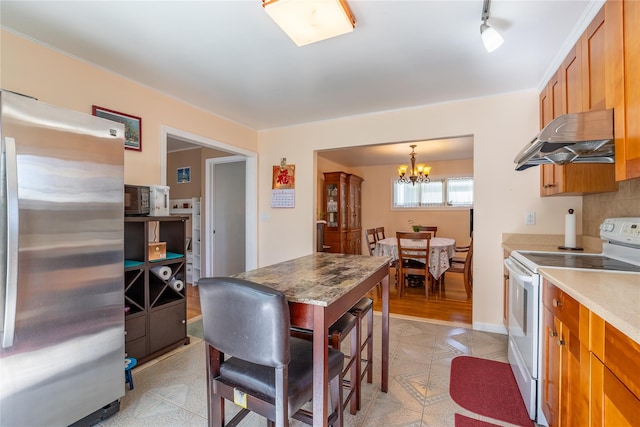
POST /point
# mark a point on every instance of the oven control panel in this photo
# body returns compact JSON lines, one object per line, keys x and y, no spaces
{"x":624,"y":230}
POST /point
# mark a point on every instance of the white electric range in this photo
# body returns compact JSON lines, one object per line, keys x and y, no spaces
{"x":620,"y":254}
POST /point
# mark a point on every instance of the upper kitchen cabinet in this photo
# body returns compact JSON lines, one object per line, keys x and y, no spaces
{"x":577,"y":86}
{"x":622,"y":47}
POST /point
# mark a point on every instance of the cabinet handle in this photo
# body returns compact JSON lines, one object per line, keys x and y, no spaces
{"x":125,"y":333}
{"x":556,"y":303}
{"x":553,"y":334}
{"x":561,"y":342}
{"x":183,"y":322}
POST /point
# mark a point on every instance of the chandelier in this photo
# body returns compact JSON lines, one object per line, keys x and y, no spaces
{"x":418,"y":173}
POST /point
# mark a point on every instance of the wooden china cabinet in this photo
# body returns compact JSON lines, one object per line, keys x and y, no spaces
{"x":342,"y":207}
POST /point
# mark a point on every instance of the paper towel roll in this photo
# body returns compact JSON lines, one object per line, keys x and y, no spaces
{"x":162,"y":272}
{"x":570,"y":230}
{"x":176,"y":285}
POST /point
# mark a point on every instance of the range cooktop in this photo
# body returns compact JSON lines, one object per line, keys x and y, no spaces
{"x":587,"y":261}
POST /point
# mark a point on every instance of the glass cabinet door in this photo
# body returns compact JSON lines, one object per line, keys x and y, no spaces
{"x":332,"y":205}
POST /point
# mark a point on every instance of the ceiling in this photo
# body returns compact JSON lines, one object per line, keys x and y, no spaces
{"x":229,"y":57}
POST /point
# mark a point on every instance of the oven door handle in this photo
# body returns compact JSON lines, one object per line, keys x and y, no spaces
{"x":515,"y":269}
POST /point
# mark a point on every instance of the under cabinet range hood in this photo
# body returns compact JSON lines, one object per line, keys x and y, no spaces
{"x":571,"y":138}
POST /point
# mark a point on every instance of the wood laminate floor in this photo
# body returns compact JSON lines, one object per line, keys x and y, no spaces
{"x":449,"y":305}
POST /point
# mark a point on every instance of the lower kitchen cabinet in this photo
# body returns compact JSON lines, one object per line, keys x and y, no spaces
{"x":615,"y":378}
{"x":566,"y":359}
{"x":589,"y":368}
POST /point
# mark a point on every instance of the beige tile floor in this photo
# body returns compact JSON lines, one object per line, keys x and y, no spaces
{"x":172,"y":392}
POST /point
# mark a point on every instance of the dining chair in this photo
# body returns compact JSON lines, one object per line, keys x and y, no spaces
{"x":370,"y":237}
{"x":433,"y":229}
{"x":464,"y":265}
{"x":413,"y":259}
{"x":253,"y":361}
{"x":380,"y":233}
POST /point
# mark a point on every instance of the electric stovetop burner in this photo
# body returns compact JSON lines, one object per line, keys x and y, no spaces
{"x":587,"y":261}
{"x":620,"y":251}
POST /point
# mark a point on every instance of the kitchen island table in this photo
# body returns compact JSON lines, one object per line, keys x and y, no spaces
{"x":320,"y":288}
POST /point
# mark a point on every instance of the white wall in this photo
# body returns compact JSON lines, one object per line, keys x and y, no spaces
{"x":500,"y":125}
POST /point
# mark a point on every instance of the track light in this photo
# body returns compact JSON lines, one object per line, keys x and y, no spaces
{"x":490,"y":37}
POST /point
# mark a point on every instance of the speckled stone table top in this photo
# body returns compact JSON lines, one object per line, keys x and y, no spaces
{"x":318,"y":279}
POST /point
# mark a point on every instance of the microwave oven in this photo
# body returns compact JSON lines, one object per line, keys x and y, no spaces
{"x":136,"y":200}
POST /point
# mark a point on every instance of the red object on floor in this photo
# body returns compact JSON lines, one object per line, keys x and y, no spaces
{"x":462,"y":421}
{"x":487,"y":387}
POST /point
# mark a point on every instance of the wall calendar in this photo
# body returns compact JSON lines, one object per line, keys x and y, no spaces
{"x":285,"y":198}
{"x":283,"y":193}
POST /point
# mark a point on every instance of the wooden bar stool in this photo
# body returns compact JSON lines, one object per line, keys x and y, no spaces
{"x":343,"y":327}
{"x":363,"y":308}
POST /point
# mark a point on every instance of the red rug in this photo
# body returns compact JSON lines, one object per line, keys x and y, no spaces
{"x":462,"y":421}
{"x":487,"y":387}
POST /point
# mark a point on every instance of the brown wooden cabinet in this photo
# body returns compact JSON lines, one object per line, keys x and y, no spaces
{"x":589,"y":368}
{"x":155,"y":312}
{"x":343,"y":212}
{"x":505,"y":292}
{"x":578,"y":86}
{"x":566,"y":356}
{"x":615,"y":382}
{"x":622,"y":44}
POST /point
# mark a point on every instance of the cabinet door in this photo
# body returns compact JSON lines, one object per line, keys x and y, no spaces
{"x":575,"y":377}
{"x":632,"y":88}
{"x":167,"y":326}
{"x":593,"y":64}
{"x":612,"y":404}
{"x":551,"y":175}
{"x":551,"y":368}
{"x":623,"y":91}
{"x":571,"y":78}
{"x":505,"y":292}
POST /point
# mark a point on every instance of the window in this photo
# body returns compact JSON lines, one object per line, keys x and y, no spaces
{"x":447,"y":192}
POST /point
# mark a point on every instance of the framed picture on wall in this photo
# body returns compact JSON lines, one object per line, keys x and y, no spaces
{"x":184,"y":175}
{"x":132,"y":126}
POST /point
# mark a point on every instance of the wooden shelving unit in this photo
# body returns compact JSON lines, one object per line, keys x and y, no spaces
{"x":155,"y":312}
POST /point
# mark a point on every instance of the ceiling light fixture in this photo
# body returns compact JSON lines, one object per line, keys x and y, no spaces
{"x":310,"y":21}
{"x":490,"y":37}
{"x":418,"y":173}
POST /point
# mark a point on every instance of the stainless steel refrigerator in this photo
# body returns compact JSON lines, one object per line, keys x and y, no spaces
{"x":61,"y":243}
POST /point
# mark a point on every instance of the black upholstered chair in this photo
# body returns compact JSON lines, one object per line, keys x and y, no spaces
{"x":253,"y":361}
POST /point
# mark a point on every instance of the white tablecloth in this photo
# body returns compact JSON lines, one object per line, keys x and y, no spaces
{"x":441,"y":250}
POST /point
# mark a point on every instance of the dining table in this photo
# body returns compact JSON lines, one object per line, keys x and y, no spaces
{"x":442,"y":249}
{"x":320,"y":288}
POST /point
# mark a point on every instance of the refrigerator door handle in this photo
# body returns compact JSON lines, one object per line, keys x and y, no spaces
{"x":12,"y":225}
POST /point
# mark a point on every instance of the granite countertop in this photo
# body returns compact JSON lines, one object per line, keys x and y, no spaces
{"x":317,"y":279}
{"x":615,"y":297}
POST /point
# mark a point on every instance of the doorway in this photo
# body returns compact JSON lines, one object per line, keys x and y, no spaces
{"x":226,"y":184}
{"x":250,"y":214}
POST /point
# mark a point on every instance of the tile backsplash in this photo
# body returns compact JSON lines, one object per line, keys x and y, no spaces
{"x":622,"y":203}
